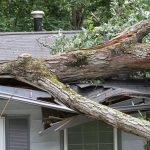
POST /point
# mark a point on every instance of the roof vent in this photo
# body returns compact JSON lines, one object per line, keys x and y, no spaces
{"x":37,"y":16}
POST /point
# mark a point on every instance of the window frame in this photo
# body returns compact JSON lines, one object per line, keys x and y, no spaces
{"x":116,"y":144}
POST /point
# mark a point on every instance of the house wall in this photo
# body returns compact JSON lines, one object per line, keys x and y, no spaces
{"x":133,"y":142}
{"x":37,"y":142}
{"x":130,"y":140}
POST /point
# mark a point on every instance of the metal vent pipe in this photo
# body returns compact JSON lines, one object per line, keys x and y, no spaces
{"x":37,"y":16}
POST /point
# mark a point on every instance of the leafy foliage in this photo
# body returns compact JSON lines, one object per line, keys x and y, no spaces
{"x":15,"y":14}
{"x":147,"y":146}
{"x":130,"y":12}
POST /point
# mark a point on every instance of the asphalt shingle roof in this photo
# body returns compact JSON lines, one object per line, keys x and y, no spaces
{"x":13,"y":44}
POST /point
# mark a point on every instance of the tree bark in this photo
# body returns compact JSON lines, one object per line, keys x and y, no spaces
{"x":120,"y":55}
{"x":77,"y":16}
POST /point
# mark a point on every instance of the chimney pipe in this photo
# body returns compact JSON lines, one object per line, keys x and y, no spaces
{"x":37,"y":16}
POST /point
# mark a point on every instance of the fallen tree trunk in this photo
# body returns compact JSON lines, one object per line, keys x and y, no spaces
{"x":97,"y":111}
{"x":119,"y":55}
{"x":102,"y":63}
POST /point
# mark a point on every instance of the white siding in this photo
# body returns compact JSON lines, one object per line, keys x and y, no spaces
{"x":2,"y":134}
{"x":133,"y":142}
{"x":37,"y":142}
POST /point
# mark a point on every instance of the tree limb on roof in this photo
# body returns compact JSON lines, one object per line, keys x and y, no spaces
{"x":114,"y":58}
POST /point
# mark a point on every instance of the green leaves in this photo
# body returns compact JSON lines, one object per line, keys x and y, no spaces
{"x":15,"y":15}
{"x":129,"y":13}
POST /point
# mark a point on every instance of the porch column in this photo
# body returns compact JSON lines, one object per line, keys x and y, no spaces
{"x":115,"y":139}
{"x":2,"y":133}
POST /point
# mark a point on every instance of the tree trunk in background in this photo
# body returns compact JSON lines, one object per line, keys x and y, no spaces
{"x":120,"y":55}
{"x":77,"y":17}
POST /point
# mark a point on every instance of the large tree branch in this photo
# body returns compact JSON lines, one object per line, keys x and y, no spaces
{"x":35,"y":72}
{"x":106,"y":62}
{"x":120,"y":55}
{"x":133,"y":34}
{"x":114,"y":58}
{"x":103,"y":63}
{"x":92,"y":109}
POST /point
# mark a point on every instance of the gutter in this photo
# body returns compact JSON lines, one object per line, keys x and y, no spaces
{"x":128,"y":108}
{"x":7,"y":96}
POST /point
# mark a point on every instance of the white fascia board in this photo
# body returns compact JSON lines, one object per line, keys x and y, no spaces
{"x":28,"y":93}
{"x":12,"y":97}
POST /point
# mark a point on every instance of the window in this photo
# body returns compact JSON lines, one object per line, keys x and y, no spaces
{"x":94,"y":135}
{"x":17,"y":133}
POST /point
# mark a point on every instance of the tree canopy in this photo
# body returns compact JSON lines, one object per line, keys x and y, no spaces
{"x":129,"y":13}
{"x":59,"y":14}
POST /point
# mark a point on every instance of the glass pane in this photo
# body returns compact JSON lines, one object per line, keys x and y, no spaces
{"x":94,"y":135}
{"x":90,"y":127}
{"x":75,"y":129}
{"x":75,"y":138}
{"x":75,"y":147}
{"x":91,"y":147}
{"x":106,"y":147}
{"x":103,"y":127}
{"x":90,"y":138}
{"x":106,"y":137}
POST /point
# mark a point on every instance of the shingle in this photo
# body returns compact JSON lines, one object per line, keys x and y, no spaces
{"x":12,"y":44}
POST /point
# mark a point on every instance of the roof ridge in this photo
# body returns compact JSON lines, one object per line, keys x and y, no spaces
{"x":42,"y":32}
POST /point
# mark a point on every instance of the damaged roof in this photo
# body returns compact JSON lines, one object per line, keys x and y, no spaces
{"x":124,"y":95}
{"x":38,"y":44}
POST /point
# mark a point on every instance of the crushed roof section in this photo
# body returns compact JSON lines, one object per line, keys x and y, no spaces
{"x":116,"y":92}
{"x":13,"y":44}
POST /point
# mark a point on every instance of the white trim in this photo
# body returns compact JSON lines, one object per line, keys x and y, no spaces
{"x":65,"y":139}
{"x":5,"y":95}
{"x":115,"y":139}
{"x":4,"y":135}
{"x":2,"y":147}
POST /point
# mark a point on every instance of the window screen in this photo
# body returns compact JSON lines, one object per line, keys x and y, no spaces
{"x":90,"y":136}
{"x":17,"y":133}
